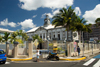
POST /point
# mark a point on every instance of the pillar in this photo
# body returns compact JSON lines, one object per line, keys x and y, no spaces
{"x":61,"y":35}
{"x":7,"y":48}
{"x":15,"y":49}
{"x":45,"y":36}
{"x":30,"y":47}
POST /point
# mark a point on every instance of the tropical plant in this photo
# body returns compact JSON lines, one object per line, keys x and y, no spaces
{"x":38,"y":38}
{"x":19,"y":33}
{"x":6,"y":37}
{"x":19,"y":41}
{"x":65,"y":18}
{"x":24,"y":36}
{"x":81,"y":27}
{"x":97,"y":21}
{"x":14,"y":37}
{"x":0,"y":38}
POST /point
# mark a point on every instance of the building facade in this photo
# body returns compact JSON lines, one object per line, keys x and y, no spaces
{"x":95,"y":34}
{"x":2,"y":31}
{"x":48,"y":31}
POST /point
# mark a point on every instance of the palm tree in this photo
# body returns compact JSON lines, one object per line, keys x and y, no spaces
{"x":6,"y":37}
{"x":82,"y":27}
{"x":24,"y":36}
{"x":14,"y":36}
{"x":97,"y":21}
{"x":0,"y":38}
{"x":65,"y":18}
{"x":38,"y":38}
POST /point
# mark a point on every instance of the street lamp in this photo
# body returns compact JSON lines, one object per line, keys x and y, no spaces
{"x":83,"y":43}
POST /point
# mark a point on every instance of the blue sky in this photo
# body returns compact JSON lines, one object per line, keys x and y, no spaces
{"x":27,"y":14}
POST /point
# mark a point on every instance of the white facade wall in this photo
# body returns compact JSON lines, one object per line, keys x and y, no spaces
{"x":52,"y":33}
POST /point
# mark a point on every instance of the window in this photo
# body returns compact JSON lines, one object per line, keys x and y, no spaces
{"x":58,"y":35}
{"x":1,"y":52}
{"x":53,"y":34}
{"x":40,"y":35}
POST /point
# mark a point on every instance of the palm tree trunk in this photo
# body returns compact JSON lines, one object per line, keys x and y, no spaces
{"x":79,"y":36}
{"x":68,"y":46}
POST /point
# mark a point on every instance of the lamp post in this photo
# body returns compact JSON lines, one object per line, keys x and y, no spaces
{"x":83,"y":43}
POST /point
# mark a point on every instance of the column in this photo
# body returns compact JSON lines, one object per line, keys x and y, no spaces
{"x":15,"y":49}
{"x":7,"y":48}
{"x":66,"y":34}
{"x":60,"y":34}
{"x":39,"y":35}
{"x":45,"y":36}
{"x":51,"y":35}
{"x":55,"y":33}
{"x":30,"y":47}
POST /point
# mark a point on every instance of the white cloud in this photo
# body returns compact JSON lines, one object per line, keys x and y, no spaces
{"x":12,"y":24}
{"x":50,"y":14}
{"x":91,"y":15}
{"x":35,"y":4}
{"x":27,"y":23}
{"x":34,"y":16}
{"x":5,"y":23}
{"x":77,"y":11}
{"x":55,"y":12}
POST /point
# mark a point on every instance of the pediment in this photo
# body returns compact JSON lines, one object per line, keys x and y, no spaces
{"x":40,"y":29}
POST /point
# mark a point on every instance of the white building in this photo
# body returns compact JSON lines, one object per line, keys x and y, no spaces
{"x":2,"y":31}
{"x":48,"y":30}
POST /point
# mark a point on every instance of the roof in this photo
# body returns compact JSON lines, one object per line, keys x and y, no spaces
{"x":47,"y":27}
{"x":32,"y":30}
{"x":5,"y":30}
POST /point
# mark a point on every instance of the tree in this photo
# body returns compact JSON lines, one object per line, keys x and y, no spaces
{"x":38,"y":38}
{"x":69,"y":20}
{"x":0,"y":38}
{"x":82,"y":27}
{"x":19,"y":32}
{"x":97,"y":21}
{"x":14,"y":37}
{"x":24,"y":36}
{"x":6,"y":37}
{"x":65,"y":18}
